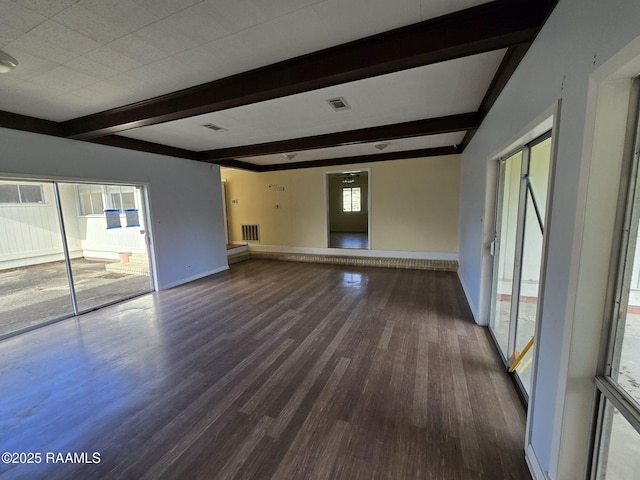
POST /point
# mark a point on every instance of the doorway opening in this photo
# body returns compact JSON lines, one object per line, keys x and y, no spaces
{"x":68,"y":248}
{"x":348,"y":209}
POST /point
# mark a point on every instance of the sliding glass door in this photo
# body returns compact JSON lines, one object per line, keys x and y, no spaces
{"x":107,"y":238}
{"x":68,"y":248}
{"x":33,"y":276}
{"x":520,"y":219}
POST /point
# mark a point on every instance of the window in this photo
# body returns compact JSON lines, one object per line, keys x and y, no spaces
{"x":91,"y":201}
{"x":618,"y":437}
{"x":14,"y":193}
{"x":94,"y":199}
{"x":351,"y":199}
{"x":121,"y":197}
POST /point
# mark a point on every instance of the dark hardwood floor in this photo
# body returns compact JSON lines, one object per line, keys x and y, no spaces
{"x":271,"y":370}
{"x":348,"y":240}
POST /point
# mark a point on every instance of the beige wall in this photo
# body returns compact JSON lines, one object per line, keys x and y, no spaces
{"x":414,"y":204}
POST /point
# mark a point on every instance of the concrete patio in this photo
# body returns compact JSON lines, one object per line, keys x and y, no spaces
{"x":40,"y":293}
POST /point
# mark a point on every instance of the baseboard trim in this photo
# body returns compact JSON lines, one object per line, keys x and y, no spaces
{"x":534,"y":465}
{"x":472,"y":307}
{"x":355,"y":252}
{"x":370,"y":258}
{"x":167,"y":286}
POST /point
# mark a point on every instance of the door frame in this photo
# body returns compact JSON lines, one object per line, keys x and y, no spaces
{"x":327,"y":226}
{"x":146,"y":227}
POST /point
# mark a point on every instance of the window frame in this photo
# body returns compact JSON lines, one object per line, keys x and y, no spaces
{"x":351,"y":189}
{"x":607,"y":389}
{"x":21,"y":201}
{"x":107,"y":199}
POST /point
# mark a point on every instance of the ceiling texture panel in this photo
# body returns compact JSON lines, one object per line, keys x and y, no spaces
{"x":417,"y":75}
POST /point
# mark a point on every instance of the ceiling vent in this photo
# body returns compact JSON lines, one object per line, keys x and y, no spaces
{"x":215,"y":128}
{"x":338,"y":103}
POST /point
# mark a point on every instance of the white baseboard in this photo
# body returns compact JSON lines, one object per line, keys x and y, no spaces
{"x":534,"y":465}
{"x":167,"y":286}
{"x":354,"y":252}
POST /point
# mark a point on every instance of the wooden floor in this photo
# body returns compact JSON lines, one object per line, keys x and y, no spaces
{"x":348,"y":240}
{"x":271,"y":370}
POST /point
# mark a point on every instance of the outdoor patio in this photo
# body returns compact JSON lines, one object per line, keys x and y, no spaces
{"x":35,"y":294}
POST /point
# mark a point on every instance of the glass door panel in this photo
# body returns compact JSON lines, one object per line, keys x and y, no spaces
{"x":33,"y":275}
{"x":520,"y":217}
{"x":505,"y":250}
{"x":529,"y":286}
{"x":106,"y":236}
{"x":539,"y":167}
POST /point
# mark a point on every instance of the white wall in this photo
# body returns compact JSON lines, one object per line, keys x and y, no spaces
{"x":30,"y":230}
{"x":185,"y":197}
{"x":577,"y":39}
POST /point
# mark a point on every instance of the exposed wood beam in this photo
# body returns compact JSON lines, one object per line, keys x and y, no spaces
{"x":506,"y":69}
{"x":240,"y":165}
{"x":487,"y":27}
{"x":376,"y":157}
{"x":430,"y":126}
{"x":29,"y":124}
{"x":142,"y":146}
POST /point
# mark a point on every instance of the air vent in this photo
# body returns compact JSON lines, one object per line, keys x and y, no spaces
{"x":338,"y":103}
{"x":251,"y":233}
{"x":215,"y":128}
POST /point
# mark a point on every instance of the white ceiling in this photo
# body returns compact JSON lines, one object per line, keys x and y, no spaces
{"x":435,"y":90}
{"x":82,"y":57}
{"x":357,"y":149}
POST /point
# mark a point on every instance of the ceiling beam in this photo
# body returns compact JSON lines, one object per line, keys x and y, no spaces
{"x":240,"y":165}
{"x":430,"y":126}
{"x":376,"y":157}
{"x":143,"y":146}
{"x":29,"y":124}
{"x":484,"y":28}
{"x":507,"y":68}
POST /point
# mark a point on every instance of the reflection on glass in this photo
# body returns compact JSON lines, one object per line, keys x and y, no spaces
{"x":33,"y":275}
{"x":506,"y":252}
{"x":619,"y":456}
{"x":108,"y":264}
